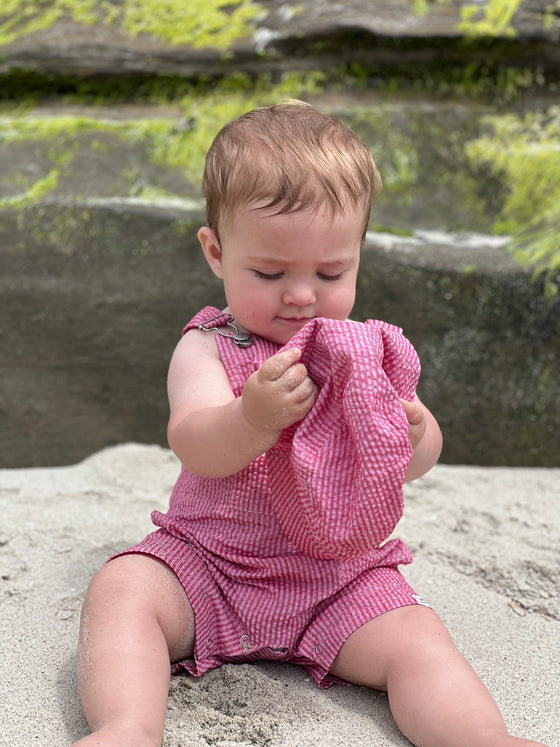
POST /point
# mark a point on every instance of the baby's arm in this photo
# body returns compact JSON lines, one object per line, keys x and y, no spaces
{"x":215,"y":434}
{"x":425,"y":437}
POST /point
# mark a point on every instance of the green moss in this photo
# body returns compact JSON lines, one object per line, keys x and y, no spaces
{"x":489,"y":20}
{"x":469,"y":269}
{"x":16,"y":129}
{"x":173,"y":143}
{"x":523,"y":152}
{"x":183,"y":143}
{"x":480,"y":80}
{"x":382,"y":228}
{"x":56,"y":227}
{"x":199,"y":23}
{"x":517,"y":154}
{"x":151,"y":193}
{"x":34,"y":193}
{"x":551,"y":16}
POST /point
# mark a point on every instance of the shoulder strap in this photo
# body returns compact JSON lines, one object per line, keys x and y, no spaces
{"x":207,"y":314}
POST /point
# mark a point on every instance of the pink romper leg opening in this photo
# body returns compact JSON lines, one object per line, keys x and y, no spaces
{"x":377,"y":591}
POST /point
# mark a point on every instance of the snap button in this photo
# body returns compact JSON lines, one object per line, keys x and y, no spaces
{"x":319,"y":648}
{"x":209,"y":643}
{"x":245,"y":643}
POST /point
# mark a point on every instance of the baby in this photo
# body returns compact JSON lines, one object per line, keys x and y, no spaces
{"x":296,"y":429}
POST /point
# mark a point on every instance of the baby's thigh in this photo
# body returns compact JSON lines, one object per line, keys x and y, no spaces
{"x":140,"y":588}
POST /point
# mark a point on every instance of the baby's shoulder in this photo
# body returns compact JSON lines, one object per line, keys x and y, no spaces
{"x":198,"y":342}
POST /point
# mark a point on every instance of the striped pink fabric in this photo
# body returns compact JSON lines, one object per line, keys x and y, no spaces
{"x":341,"y":471}
{"x":285,"y":559}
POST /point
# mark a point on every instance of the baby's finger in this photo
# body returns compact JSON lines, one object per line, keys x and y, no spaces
{"x":307,"y":390}
{"x":413,"y":411}
{"x":293,"y":377}
{"x":275,"y":366}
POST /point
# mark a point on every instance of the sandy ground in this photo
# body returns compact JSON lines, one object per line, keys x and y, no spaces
{"x":487,"y":557}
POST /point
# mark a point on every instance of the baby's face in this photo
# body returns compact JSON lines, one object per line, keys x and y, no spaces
{"x":280,"y":271}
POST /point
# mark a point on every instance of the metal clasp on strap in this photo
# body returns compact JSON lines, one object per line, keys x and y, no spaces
{"x":241,"y":339}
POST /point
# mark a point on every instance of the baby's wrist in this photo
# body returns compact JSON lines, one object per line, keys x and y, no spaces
{"x":261,"y":428}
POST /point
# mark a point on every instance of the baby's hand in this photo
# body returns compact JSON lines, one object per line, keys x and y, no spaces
{"x":416,"y":420}
{"x":280,"y":393}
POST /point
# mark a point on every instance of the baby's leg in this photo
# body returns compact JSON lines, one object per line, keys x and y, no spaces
{"x":435,"y":696}
{"x":135,"y":618}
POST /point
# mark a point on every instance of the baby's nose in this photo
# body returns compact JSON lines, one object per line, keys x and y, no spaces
{"x":300,"y":293}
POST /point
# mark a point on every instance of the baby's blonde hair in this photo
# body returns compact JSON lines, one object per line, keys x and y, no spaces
{"x":288,"y":157}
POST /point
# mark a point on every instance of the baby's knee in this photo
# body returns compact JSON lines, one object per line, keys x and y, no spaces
{"x":114,"y":581}
{"x":141,"y":587}
{"x":136,"y":579}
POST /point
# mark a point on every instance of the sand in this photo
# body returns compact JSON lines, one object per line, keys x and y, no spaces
{"x":487,"y":557}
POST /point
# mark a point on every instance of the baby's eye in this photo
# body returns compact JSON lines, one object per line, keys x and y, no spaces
{"x":330,"y":278}
{"x":265,"y":276}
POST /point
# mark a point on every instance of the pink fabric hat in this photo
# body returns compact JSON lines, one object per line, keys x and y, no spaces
{"x":336,"y":478}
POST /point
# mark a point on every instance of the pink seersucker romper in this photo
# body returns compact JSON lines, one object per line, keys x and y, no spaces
{"x":286,"y":558}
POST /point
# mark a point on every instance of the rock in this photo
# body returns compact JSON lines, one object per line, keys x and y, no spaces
{"x":289,"y":34}
{"x":488,"y":340}
{"x":90,"y":324}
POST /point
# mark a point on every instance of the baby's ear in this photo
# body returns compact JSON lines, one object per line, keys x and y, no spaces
{"x":212,"y":249}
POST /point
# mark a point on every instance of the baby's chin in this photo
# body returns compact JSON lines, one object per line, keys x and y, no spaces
{"x":274,"y":336}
